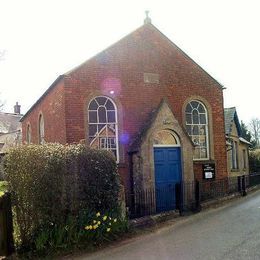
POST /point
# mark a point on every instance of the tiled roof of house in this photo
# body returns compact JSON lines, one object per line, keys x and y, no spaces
{"x":9,"y":122}
{"x":10,"y":130}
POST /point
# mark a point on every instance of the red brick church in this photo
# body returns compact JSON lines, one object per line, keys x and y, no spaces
{"x":146,"y":101}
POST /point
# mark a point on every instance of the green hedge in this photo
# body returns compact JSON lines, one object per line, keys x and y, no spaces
{"x":53,"y":183}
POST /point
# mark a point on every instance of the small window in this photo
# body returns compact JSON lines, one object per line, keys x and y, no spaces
{"x":244,"y":159}
{"x":41,"y":129}
{"x":234,"y":155}
{"x":28,"y":134}
{"x":102,"y":125}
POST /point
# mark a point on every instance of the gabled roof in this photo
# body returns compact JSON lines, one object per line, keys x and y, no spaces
{"x":148,"y":25}
{"x":42,"y":96}
{"x":138,"y":139}
{"x":230,"y":117}
{"x":152,"y":27}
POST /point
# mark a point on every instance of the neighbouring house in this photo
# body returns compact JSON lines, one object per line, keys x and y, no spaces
{"x":145,"y":100}
{"x":237,"y":146}
{"x":10,"y":129}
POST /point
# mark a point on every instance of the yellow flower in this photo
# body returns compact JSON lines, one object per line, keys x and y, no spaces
{"x":90,"y":227}
{"x":104,"y":218}
{"x":109,"y":224}
{"x":95,"y":227}
{"x":87,"y":227}
{"x":99,"y":223}
{"x":115,"y":220}
{"x":98,"y":214}
{"x":94,"y":221}
{"x":108,"y":229}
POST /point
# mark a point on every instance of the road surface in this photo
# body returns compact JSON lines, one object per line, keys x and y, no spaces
{"x":229,"y":232}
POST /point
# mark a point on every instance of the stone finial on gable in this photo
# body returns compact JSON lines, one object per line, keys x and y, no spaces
{"x":147,"y":18}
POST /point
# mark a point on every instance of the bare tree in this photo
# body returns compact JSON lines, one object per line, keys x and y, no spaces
{"x":255,"y":130}
{"x":2,"y":56}
{"x":1,"y":104}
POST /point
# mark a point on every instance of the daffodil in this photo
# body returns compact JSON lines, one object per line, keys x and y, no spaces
{"x":108,"y":229}
{"x":90,"y":227}
{"x":95,"y":227}
{"x":115,"y":220}
{"x":109,"y":224}
{"x":94,"y":221}
{"x":99,"y":223}
{"x":98,"y":214}
{"x":104,"y":218}
{"x":87,"y":227}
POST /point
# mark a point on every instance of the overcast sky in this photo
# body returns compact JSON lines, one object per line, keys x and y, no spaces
{"x":42,"y":39}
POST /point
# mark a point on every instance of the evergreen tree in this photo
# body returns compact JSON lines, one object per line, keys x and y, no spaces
{"x":246,"y":134}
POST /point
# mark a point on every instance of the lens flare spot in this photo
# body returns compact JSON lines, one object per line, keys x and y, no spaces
{"x":124,"y":138}
{"x":111,"y":86}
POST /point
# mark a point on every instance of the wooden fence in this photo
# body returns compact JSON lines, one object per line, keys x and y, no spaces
{"x":6,"y":226}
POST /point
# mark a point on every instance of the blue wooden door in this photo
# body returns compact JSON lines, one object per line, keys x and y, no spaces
{"x":167,"y":161}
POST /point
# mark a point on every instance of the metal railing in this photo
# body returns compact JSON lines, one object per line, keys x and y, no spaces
{"x":253,"y":179}
{"x":185,"y":196}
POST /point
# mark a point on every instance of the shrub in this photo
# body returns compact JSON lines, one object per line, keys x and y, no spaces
{"x":52,"y":185}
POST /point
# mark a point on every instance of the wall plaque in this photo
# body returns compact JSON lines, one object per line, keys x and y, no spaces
{"x":209,"y":171}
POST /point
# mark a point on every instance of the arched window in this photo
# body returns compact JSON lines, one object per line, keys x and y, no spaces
{"x":41,"y":129}
{"x":197,"y":127}
{"x":28,"y":134}
{"x":102,"y":125}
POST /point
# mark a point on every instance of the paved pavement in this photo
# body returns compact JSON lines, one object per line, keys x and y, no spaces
{"x":229,"y":232}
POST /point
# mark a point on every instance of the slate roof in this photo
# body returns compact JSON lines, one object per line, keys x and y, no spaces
{"x":230,"y":117}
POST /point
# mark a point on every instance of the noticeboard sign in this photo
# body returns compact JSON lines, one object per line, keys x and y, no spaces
{"x":209,"y":171}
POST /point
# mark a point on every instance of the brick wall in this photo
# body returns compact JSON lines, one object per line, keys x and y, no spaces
{"x":53,"y":110}
{"x":121,"y":69}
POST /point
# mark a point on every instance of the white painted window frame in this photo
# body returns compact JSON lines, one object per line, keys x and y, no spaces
{"x":107,"y":123}
{"x":206,"y":127}
{"x":28,"y":133}
{"x":170,"y":145}
{"x":41,"y":129}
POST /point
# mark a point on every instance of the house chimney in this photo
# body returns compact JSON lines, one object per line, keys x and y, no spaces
{"x":147,"y":18}
{"x":17,"y":108}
